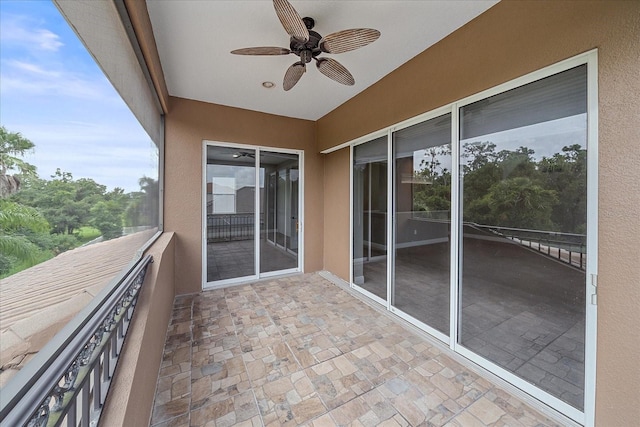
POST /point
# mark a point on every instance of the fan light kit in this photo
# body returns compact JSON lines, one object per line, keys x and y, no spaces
{"x":308,"y":45}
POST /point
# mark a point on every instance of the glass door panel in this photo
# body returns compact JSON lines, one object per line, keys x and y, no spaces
{"x":370,"y":216}
{"x":230,"y":211}
{"x":279,"y":211}
{"x":422,"y":221}
{"x":523,"y":192}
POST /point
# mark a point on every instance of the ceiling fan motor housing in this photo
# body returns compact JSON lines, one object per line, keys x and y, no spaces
{"x":306,"y":51}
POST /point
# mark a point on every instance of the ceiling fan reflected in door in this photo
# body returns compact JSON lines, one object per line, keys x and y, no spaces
{"x":308,"y":45}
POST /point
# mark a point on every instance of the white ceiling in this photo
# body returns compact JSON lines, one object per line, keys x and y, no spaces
{"x":195,"y":39}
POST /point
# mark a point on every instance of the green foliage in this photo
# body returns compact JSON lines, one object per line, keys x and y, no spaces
{"x":106,"y":216}
{"x":87,"y":233}
{"x":16,"y":223}
{"x":49,"y":216}
{"x":15,"y":217}
{"x":13,"y":145}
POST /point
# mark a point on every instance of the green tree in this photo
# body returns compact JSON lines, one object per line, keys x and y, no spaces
{"x":13,"y":146}
{"x":106,"y":216}
{"x":65,"y":202}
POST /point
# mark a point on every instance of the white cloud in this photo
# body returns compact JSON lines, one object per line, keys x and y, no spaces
{"x":17,"y":31}
{"x":55,"y":95}
{"x":27,"y":78}
{"x":31,"y":68}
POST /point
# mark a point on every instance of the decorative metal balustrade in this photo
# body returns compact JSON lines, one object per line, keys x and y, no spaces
{"x":228,"y":227}
{"x":67,"y":382}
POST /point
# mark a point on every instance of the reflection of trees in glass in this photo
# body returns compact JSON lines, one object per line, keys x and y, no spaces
{"x":511,"y":189}
{"x":434,"y":192}
{"x":143,"y":208}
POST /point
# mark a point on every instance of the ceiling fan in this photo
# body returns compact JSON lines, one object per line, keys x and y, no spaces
{"x":308,"y":45}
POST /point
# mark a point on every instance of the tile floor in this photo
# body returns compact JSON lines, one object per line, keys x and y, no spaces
{"x":521,"y":309}
{"x":301,"y":350}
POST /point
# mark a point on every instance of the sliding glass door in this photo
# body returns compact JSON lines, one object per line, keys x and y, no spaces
{"x":370,"y":217}
{"x":486,"y":244}
{"x":422,"y":222}
{"x":249,"y":233}
{"x":524,"y":194}
{"x":280,"y":225}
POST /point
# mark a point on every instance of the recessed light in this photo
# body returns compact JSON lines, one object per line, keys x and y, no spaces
{"x":268,"y":85}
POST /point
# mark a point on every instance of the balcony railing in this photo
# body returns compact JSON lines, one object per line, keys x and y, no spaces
{"x":67,"y":382}
{"x":569,"y":248}
{"x":228,"y":227}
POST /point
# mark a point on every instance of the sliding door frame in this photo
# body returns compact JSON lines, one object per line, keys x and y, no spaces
{"x":257,"y":274}
{"x":590,"y":59}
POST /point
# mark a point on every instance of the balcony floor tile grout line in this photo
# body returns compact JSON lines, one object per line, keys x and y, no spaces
{"x":244,"y":362}
{"x":292,"y":353}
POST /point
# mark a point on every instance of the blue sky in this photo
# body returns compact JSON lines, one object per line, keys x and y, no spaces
{"x":54,"y":94}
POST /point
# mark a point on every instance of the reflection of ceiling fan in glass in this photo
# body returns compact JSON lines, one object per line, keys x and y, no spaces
{"x":243,"y":154}
{"x":308,"y":45}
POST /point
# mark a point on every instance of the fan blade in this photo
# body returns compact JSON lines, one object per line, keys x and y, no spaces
{"x":291,"y":21}
{"x":293,"y":74}
{"x":263,"y":50}
{"x":346,"y":40}
{"x":335,"y":71}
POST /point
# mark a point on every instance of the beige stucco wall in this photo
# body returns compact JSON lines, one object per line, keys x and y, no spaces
{"x":512,"y":39}
{"x":130,"y":401}
{"x":187,"y":125}
{"x":336,"y":213}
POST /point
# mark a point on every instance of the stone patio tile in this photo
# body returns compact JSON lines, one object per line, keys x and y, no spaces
{"x":299,"y":324}
{"x":377,"y":363}
{"x":289,"y":400}
{"x":370,"y":409}
{"x":465,"y":419}
{"x":228,"y":412}
{"x":215,"y":348}
{"x":208,"y":327}
{"x":217,"y":381}
{"x":486,"y":411}
{"x":337,"y":381}
{"x":301,"y":351}
{"x":516,"y":409}
{"x":176,"y":360}
{"x":179,"y":421}
{"x":171,"y":409}
{"x":313,"y":348}
{"x":431,"y":406}
{"x":270,"y":363}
